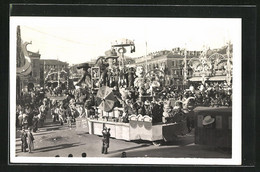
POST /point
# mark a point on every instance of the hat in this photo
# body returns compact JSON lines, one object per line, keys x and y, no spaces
{"x":54,"y":102}
{"x":179,"y":103}
{"x":147,"y":102}
{"x":208,"y":120}
{"x":72,"y":101}
{"x":83,"y":65}
{"x":167,"y":106}
{"x":112,"y":57}
{"x":111,"y":53}
{"x":185,"y":110}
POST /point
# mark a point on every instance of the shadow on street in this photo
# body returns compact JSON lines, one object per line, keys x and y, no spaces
{"x":57,"y":147}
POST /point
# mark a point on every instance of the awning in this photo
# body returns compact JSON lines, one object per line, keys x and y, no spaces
{"x":214,"y":78}
{"x":195,"y":78}
{"x":217,"y":78}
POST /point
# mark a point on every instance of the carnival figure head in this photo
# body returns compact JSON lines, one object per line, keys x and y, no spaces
{"x":139,"y":71}
{"x":44,"y":101}
{"x":115,"y":88}
{"x":72,"y":101}
{"x":178,"y":105}
{"x":191,"y":104}
{"x":147,"y":103}
{"x":28,"y":108}
{"x":80,"y":107}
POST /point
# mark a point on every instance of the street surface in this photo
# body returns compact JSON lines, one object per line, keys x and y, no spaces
{"x":54,"y":139}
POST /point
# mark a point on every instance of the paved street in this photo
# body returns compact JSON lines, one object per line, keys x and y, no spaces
{"x":53,"y":139}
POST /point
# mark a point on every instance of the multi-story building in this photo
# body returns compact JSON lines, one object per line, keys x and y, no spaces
{"x":170,"y":62}
{"x":216,"y":65}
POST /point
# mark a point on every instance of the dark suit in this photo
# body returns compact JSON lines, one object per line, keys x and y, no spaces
{"x":24,"y":144}
{"x":105,"y":141}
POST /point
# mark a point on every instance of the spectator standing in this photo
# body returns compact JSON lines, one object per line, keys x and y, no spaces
{"x":30,"y":140}
{"x":35,"y":122}
{"x":25,"y":121}
{"x":23,"y":136}
{"x":105,"y":140}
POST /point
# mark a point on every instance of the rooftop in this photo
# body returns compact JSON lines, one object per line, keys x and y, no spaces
{"x":53,"y":62}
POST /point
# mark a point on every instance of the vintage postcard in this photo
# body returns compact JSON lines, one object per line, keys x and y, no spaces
{"x":110,"y":90}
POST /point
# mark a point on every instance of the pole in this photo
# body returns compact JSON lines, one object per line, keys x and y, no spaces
{"x":185,"y":67}
{"x":58,"y":75}
{"x":123,"y":57}
{"x":146,"y":65}
{"x":228,"y":73}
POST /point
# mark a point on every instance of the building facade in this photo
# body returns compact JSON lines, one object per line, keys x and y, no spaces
{"x":201,"y":66}
{"x":170,"y":62}
{"x":54,"y":73}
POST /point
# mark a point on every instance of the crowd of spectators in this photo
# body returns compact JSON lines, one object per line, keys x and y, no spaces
{"x":163,"y":103}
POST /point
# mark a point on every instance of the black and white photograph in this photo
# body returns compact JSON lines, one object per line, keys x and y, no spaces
{"x":122,"y":90}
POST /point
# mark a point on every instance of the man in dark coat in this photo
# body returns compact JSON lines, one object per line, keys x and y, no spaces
{"x":131,"y":77}
{"x":105,"y":140}
{"x":148,"y":108}
{"x":139,"y":108}
{"x":179,"y":115}
{"x":157,"y":113}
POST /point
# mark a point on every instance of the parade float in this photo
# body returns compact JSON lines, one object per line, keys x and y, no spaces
{"x":112,"y":81}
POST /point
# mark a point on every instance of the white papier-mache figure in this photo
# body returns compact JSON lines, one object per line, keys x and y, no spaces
{"x":139,"y":81}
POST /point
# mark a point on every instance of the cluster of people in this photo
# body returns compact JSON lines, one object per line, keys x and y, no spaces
{"x":27,"y":140}
{"x":81,"y":102}
{"x":31,"y":114}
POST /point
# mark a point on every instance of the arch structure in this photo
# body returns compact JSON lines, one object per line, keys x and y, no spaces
{"x":212,"y":66}
{"x":155,"y":76}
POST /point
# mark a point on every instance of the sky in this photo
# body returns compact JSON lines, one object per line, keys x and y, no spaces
{"x":80,"y":39}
